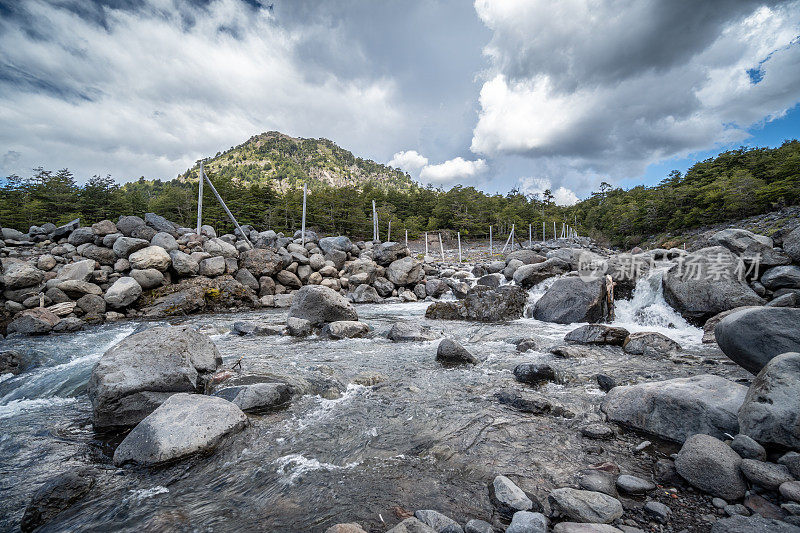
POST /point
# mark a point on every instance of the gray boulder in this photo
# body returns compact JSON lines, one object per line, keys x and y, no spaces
{"x":136,"y":375}
{"x":341,"y":244}
{"x":405,"y":271}
{"x":752,"y":337}
{"x":160,"y":224}
{"x":597,"y":334}
{"x":123,"y":292}
{"x":508,"y":498}
{"x":261,"y":262}
{"x":712,"y":466}
{"x":482,"y":304}
{"x":781,"y":277}
{"x":770,"y":413}
{"x":365,"y":294}
{"x":102,"y":255}
{"x":78,"y":271}
{"x":182,"y":425}
{"x":127,"y":224}
{"x":66,"y":229}
{"x":584,"y":506}
{"x":767,"y":475}
{"x":450,"y":352}
{"x":103,"y":228}
{"x":151,"y":257}
{"x":573,"y":299}
{"x":183,"y":264}
{"x":529,"y":275}
{"x":149,"y":278}
{"x":491,"y":280}
{"x":528,"y":257}
{"x":81,"y":236}
{"x":438,"y":521}
{"x":164,"y":240}
{"x":707,"y":282}
{"x":125,"y":246}
{"x":678,"y":408}
{"x":12,"y":234}
{"x":791,"y":244}
{"x":527,"y":522}
{"x":747,"y":448}
{"x":320,"y":305}
{"x":20,"y":274}
{"x":385,"y":253}
{"x":749,"y":246}
{"x":577,"y":527}
{"x":212,"y":266}
{"x":257,"y":397}
{"x":650,"y":343}
{"x":36,"y":321}
{"x":412,"y":524}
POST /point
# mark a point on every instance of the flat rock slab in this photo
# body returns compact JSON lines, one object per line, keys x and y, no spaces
{"x":584,"y":506}
{"x":752,"y":524}
{"x":183,"y":425}
{"x":257,"y":396}
{"x":678,"y":408}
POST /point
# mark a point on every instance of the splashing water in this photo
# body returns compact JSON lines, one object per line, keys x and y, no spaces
{"x":648,"y":311}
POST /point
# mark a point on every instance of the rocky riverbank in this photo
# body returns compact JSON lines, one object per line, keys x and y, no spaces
{"x":535,"y":398}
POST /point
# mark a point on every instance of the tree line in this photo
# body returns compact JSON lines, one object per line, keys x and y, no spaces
{"x":735,"y":184}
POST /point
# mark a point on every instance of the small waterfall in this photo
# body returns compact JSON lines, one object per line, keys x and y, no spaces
{"x":647,"y":310}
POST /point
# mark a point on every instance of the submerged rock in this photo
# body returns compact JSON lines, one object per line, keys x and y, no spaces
{"x":677,"y":408}
{"x":412,"y":331}
{"x":183,"y":425}
{"x":770,"y":413}
{"x":752,"y":337}
{"x":257,"y":396}
{"x":482,"y":304}
{"x":712,"y":466}
{"x":142,"y":371}
{"x":450,"y":352}
{"x":57,"y":494}
{"x":345,"y":329}
{"x":650,"y":343}
{"x":597,"y":334}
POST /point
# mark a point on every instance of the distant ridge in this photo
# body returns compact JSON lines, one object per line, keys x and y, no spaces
{"x":285,"y":162}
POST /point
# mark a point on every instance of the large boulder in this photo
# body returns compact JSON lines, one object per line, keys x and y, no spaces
{"x":482,"y":304}
{"x":320,"y":305}
{"x":411,"y":331}
{"x":78,"y":271}
{"x":770,"y":413}
{"x":751,"y":337}
{"x":36,"y":321}
{"x":182,"y":425}
{"x":220,"y":247}
{"x":136,"y":375}
{"x":257,"y":397}
{"x":81,"y":236}
{"x":150,"y":257}
{"x":260,"y":262}
{"x":101,"y":254}
{"x":123,"y":292}
{"x":781,"y":277}
{"x":340,"y":243}
{"x":584,"y":506}
{"x":791,"y":244}
{"x":385,"y":253}
{"x":712,"y":466}
{"x":128,"y":224}
{"x":650,"y":343}
{"x":753,"y":524}
{"x":678,"y":408}
{"x":531,"y":274}
{"x":597,"y":334}
{"x":55,"y":495}
{"x":164,"y":240}
{"x":528,"y":257}
{"x":450,"y":352}
{"x":66,"y":229}
{"x":184,"y":264}
{"x":710,"y":327}
{"x":20,"y":274}
{"x":125,"y":246}
{"x":573,"y":299}
{"x":508,"y":498}
{"x":749,"y":246}
{"x":405,"y":271}
{"x":707,"y":282}
{"x":345,"y":329}
{"x":160,"y":224}
{"x":365,"y":294}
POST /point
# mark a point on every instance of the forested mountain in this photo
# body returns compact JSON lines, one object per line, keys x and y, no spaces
{"x":735,"y":184}
{"x":285,"y":162}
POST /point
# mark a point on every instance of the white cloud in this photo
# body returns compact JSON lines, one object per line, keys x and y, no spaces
{"x":656,"y":79}
{"x":168,"y":82}
{"x":454,"y":170}
{"x":537,"y":187}
{"x":410,"y":161}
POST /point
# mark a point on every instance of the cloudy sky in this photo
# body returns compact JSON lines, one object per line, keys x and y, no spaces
{"x":498,"y":93}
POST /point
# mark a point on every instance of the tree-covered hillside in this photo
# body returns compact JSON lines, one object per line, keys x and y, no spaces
{"x":285,"y":162}
{"x":733,"y":185}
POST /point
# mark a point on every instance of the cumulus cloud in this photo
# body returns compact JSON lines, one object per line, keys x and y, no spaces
{"x":453,"y":170}
{"x":610,"y":87}
{"x":410,"y":161}
{"x":147,"y":90}
{"x":537,"y":187}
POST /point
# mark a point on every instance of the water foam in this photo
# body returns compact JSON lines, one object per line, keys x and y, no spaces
{"x":294,"y":465}
{"x":17,"y":407}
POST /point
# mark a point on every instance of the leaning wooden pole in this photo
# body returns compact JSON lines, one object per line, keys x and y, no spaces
{"x":441,"y":246}
{"x":200,"y":200}
{"x":490,"y":240}
{"x":303,"y":229}
{"x":459,"y":246}
{"x":228,"y":211}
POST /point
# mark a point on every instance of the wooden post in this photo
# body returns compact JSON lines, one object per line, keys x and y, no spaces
{"x":510,"y":236}
{"x":389,"y":232}
{"x":555,"y":235}
{"x":490,"y":241}
{"x":530,"y":236}
{"x":303,"y":228}
{"x":406,"y":238}
{"x":374,"y":222}
{"x":200,"y":199}
{"x":426,"y":244}
{"x":459,"y":246}
{"x":543,"y":239}
{"x":228,"y":211}
{"x":441,"y":246}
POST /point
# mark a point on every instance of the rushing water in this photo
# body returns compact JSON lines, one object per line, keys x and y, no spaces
{"x":391,"y":431}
